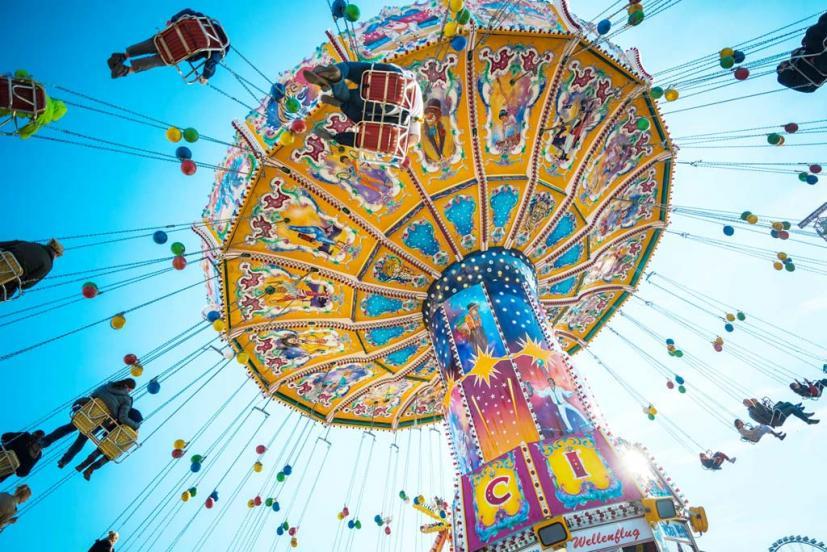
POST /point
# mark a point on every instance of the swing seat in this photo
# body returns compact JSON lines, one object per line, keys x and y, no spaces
{"x":388,"y":88}
{"x":90,"y":417}
{"x":10,"y":270}
{"x":22,"y":97}
{"x":381,"y":143}
{"x":119,"y":441}
{"x":8,"y":462}
{"x":187,"y":37}
{"x":803,"y":73}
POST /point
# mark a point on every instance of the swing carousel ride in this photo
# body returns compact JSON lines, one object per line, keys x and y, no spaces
{"x":447,"y":285}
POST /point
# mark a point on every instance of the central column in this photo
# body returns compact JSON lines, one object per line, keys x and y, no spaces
{"x":523,"y":439}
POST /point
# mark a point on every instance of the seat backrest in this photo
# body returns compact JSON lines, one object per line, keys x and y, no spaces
{"x":118,"y":441}
{"x":91,"y":416}
{"x":188,"y":36}
{"x":8,"y":462}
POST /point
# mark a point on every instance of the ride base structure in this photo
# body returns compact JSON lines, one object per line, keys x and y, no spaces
{"x":453,"y":286}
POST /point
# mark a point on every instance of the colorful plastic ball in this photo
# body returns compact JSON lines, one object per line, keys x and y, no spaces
{"x":340,"y":516}
{"x":782,"y":256}
{"x":177,"y":248}
{"x":89,"y":290}
{"x":789,"y":267}
{"x":174,"y":134}
{"x":730,"y":316}
{"x":190,"y":135}
{"x":635,"y":18}
{"x":752,"y":219}
{"x":387,"y":529}
{"x":153,"y":387}
{"x":288,"y":469}
{"x":670,"y":385}
{"x":261,"y":449}
{"x":679,"y":353}
{"x":745,"y":214}
{"x":718,"y":347}
{"x":177,"y":453}
{"x":350,"y":524}
{"x":742,"y":73}
{"x":656,"y":92}
{"x":773,"y":138}
{"x":812,"y":179}
{"x":130,"y":359}
{"x":671,"y":94}
{"x":681,"y":389}
{"x":183,"y":152}
{"x":781,"y":142}
{"x":458,"y":43}
{"x":117,"y":322}
{"x":196,"y":458}
{"x":725,"y":52}
{"x":209,"y":503}
{"x":188,"y":167}
{"x":280,"y":476}
{"x":212,"y":316}
{"x":650,"y":416}
{"x":276,"y":506}
{"x":777,"y":265}
{"x":358,"y":524}
{"x":727,"y":62}
{"x":653,"y":411}
{"x":294,"y":542}
{"x":679,"y":380}
{"x":777,"y":226}
{"x":243,"y":357}
{"x":815,"y":168}
{"x":463,"y":16}
{"x":185,"y":496}
{"x":739,"y":56}
{"x":741,"y":316}
{"x":179,"y":444}
{"x":604,"y":26}
{"x":786,"y":225}
{"x":791,"y":128}
{"x":286,"y":138}
{"x":784,"y":235}
{"x":728,"y":230}
{"x":252,"y":504}
{"x":455,"y":5}
{"x":352,"y":13}
{"x":670,"y":341}
{"x":257,"y":501}
{"x":257,"y":467}
{"x":802,"y":176}
{"x":729,"y":327}
{"x":159,"y":237}
{"x":219,"y":325}
{"x":378,"y":519}
{"x":195,"y":467}
{"x":214,"y":495}
{"x":291,"y":531}
{"x":346,"y":511}
{"x":136,"y":370}
{"x":403,"y":495}
{"x":642,"y":123}
{"x":450,"y":29}
{"x":193,"y":491}
{"x":298,"y":126}
{"x":179,"y":262}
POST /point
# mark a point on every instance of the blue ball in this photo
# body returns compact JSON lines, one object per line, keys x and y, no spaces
{"x":811,"y":179}
{"x":350,"y":524}
{"x":604,"y":26}
{"x":728,"y":230}
{"x":378,"y":519}
{"x":774,"y":233}
{"x":337,"y":8}
{"x":288,"y":469}
{"x":212,"y":316}
{"x":153,"y":387}
{"x":276,"y":507}
{"x":183,"y":152}
{"x":459,"y":43}
{"x":280,"y":530}
{"x":729,"y":327}
{"x":159,"y":237}
{"x":214,"y":496}
{"x":195,"y":467}
{"x":739,"y":56}
{"x":670,"y":341}
{"x":679,"y":380}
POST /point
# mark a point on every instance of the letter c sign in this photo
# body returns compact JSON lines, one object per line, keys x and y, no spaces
{"x":491,"y":494}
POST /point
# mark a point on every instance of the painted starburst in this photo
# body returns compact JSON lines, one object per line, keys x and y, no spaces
{"x":485,"y":367}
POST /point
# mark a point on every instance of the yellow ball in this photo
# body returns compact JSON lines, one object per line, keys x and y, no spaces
{"x":219,"y":325}
{"x":179,"y":444}
{"x":719,"y":340}
{"x":117,"y":322}
{"x":257,"y":467}
{"x":450,"y":29}
{"x":730,"y":317}
{"x":777,"y":226}
{"x":137,"y":370}
{"x":782,"y":256}
{"x":634,"y":8}
{"x":671,"y":94}
{"x":653,"y":410}
{"x":726,"y":52}
{"x":286,"y":138}
{"x":778,"y":265}
{"x":670,"y":347}
{"x":294,"y":542}
{"x":781,"y":142}
{"x":243,"y":357}
{"x":455,"y":5}
{"x":752,"y":219}
{"x":185,"y":496}
{"x":174,"y":134}
{"x":251,"y":503}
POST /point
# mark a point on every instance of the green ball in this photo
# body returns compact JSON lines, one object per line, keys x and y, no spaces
{"x":679,"y":353}
{"x":285,"y":525}
{"x":358,"y":524}
{"x":177,"y":248}
{"x":656,"y":92}
{"x":741,"y":316}
{"x":292,"y":105}
{"x":790,"y":267}
{"x":463,"y":16}
{"x":672,"y":353}
{"x":682,"y":389}
{"x":280,"y":476}
{"x":190,"y":134}
{"x":193,"y":491}
{"x":727,"y":62}
{"x":636,"y":18}
{"x":802,"y":176}
{"x":402,"y":495}
{"x":268,"y":502}
{"x":745,"y":215}
{"x":650,"y":416}
{"x":352,"y":13}
{"x":786,"y":225}
{"x":642,"y":123}
{"x":773,"y":138}
{"x":196,"y":458}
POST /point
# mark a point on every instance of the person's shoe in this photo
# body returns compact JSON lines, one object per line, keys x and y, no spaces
{"x":313,"y":78}
{"x":732,"y":460}
{"x":811,"y":421}
{"x":322,"y":133}
{"x":115,"y":60}
{"x":782,"y":436}
{"x":120,"y":71}
{"x":87,"y":474}
{"x":330,"y":100}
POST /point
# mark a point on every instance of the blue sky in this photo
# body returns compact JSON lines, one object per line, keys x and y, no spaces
{"x":55,"y":189}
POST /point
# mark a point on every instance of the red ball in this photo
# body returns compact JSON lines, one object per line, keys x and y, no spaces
{"x":209,"y":503}
{"x":791,"y":127}
{"x":257,"y":501}
{"x":188,"y":167}
{"x":741,"y":73}
{"x":261,"y":449}
{"x":670,"y":385}
{"x":130,"y":359}
{"x":89,"y":290}
{"x":387,"y":529}
{"x":298,"y":126}
{"x":291,"y":531}
{"x":177,"y":453}
{"x":784,"y":235}
{"x":179,"y":262}
{"x":815,"y":169}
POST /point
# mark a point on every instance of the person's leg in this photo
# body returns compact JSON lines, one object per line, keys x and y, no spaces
{"x":73,"y":450}
{"x":89,"y":460}
{"x":142,"y":48}
{"x":87,"y":473}
{"x":57,"y":434}
{"x":145,"y":63}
